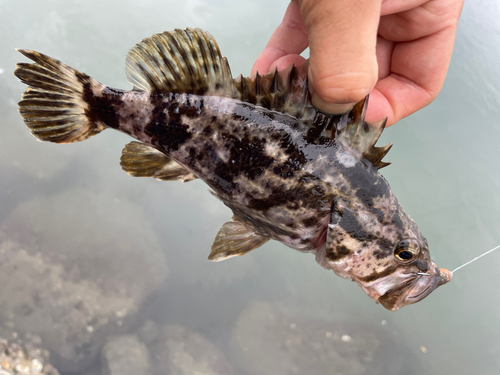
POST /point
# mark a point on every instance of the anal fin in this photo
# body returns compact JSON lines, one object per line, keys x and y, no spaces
{"x":234,"y":239}
{"x":140,"y":160}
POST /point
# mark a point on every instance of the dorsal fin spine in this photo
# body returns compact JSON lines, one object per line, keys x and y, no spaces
{"x":305,"y":93}
{"x":380,"y":152}
{"x":360,"y":136}
{"x":274,"y":83}
{"x":228,"y":77}
{"x":378,"y":127}
{"x":364,"y":107}
{"x":243,"y":88}
{"x":258,"y":88}
{"x":291,"y":77}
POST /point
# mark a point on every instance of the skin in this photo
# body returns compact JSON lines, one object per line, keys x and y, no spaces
{"x":398,"y":51}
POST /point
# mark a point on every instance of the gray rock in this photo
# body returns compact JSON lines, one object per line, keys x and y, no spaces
{"x":271,"y":340}
{"x":175,"y":350}
{"x":73,"y":268}
{"x":125,"y":355}
{"x":26,"y":360}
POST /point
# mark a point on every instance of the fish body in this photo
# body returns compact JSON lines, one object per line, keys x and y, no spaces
{"x":287,"y":171}
{"x":258,"y":162}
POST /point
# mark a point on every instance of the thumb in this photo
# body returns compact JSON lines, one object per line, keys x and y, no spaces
{"x":342,"y":41}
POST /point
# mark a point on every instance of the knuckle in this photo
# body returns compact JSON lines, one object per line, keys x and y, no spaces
{"x":344,"y":88}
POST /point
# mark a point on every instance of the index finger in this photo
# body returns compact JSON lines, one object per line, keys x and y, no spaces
{"x":418,"y":62}
{"x":289,"y":39}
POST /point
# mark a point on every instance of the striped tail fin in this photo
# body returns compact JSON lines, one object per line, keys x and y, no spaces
{"x":54,"y":106}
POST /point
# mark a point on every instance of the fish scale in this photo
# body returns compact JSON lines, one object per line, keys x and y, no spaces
{"x":288,"y":172}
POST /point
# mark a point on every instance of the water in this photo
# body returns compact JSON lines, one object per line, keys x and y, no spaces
{"x":81,"y":238}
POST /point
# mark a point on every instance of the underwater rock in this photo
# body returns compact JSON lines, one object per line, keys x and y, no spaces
{"x":176,"y":350}
{"x":26,"y":360}
{"x":125,"y":355}
{"x":271,"y":340}
{"x":74,"y":268}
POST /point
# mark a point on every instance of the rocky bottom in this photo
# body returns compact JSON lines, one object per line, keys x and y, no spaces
{"x":27,"y":360}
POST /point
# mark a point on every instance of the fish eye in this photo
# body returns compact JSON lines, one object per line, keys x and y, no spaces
{"x":404,"y":255}
{"x":406,"y":250}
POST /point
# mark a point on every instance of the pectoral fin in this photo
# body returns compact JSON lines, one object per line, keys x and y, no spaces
{"x":234,"y":239}
{"x":140,"y":160}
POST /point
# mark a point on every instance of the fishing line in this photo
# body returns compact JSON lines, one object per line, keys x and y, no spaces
{"x":476,"y":258}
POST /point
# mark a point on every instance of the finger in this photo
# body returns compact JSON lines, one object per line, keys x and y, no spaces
{"x":379,"y":107}
{"x":342,"y":40}
{"x":427,"y":19}
{"x":398,"y":6}
{"x":417,"y":74}
{"x":417,"y":68}
{"x":285,"y":61}
{"x":289,"y":38}
{"x":384,"y":56}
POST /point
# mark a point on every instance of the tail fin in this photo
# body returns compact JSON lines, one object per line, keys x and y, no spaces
{"x":54,"y":106}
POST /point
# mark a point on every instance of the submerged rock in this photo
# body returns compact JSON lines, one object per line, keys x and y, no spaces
{"x":29,"y":360}
{"x":74,"y":267}
{"x":176,"y":350}
{"x":272,"y":340}
{"x":125,"y":355}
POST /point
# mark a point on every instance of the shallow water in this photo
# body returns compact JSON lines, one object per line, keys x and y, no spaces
{"x":80,"y":232}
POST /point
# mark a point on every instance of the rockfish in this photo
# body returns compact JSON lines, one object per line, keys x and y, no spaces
{"x":287,"y":171}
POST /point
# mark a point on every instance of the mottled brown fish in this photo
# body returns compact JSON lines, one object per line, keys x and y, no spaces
{"x":287,"y":171}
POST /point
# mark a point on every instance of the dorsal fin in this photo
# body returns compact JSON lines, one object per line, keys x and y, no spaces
{"x":183,"y":61}
{"x":283,"y":91}
{"x":189,"y":61}
{"x":286,"y":92}
{"x":360,"y":136}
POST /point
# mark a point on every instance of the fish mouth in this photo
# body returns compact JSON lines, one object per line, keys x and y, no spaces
{"x":414,"y":289}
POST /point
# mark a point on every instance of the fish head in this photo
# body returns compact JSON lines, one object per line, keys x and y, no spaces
{"x":381,"y":248}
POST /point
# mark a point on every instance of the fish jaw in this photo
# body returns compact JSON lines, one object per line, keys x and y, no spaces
{"x":396,"y":290}
{"x":405,"y":289}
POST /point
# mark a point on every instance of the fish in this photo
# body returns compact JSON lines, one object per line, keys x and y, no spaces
{"x":288,"y":171}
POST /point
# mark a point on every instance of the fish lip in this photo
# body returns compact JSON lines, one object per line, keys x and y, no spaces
{"x":421,"y":293}
{"x":414,"y":289}
{"x":389,"y":299}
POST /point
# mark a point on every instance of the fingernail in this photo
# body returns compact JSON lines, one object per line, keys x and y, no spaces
{"x":331,"y":108}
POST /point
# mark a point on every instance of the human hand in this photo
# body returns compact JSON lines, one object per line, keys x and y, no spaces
{"x":398,"y":51}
